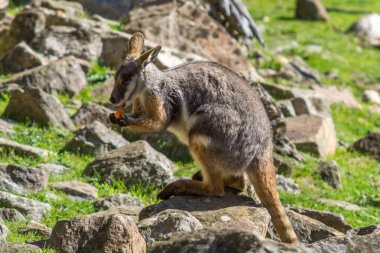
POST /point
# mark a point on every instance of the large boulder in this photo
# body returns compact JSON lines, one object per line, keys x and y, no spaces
{"x":36,"y":105}
{"x":136,"y":163}
{"x":90,"y":112}
{"x":311,"y":10}
{"x":95,"y":138}
{"x":102,"y":232}
{"x":21,"y":180}
{"x":369,"y":145}
{"x":368,"y":29}
{"x":23,"y":150}
{"x":76,"y":190}
{"x":223,"y":241}
{"x":33,"y":209}
{"x":312,"y":134}
{"x":64,"y":75}
{"x":20,"y":58}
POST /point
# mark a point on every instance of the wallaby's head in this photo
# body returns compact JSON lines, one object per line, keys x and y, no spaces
{"x":129,"y":78}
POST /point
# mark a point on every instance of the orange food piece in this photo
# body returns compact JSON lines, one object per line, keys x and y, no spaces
{"x":119,"y":113}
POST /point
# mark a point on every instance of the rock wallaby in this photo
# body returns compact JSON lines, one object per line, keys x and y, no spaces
{"x":215,"y":113}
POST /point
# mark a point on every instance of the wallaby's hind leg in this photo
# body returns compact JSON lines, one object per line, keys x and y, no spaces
{"x":263,"y":178}
{"x":234,"y":182}
{"x":212,"y":180}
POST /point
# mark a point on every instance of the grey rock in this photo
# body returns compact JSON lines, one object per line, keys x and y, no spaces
{"x":52,"y":169}
{"x":346,"y":244}
{"x":342,"y":204}
{"x":78,"y":190}
{"x":312,"y":134}
{"x":11,"y":214}
{"x":307,"y":229}
{"x":369,"y":145}
{"x":224,"y":241}
{"x":11,"y":247}
{"x":67,"y":7}
{"x":336,"y":95}
{"x":63,"y":75}
{"x":18,"y":179}
{"x":105,"y":231}
{"x":311,"y":10}
{"x":287,"y":185}
{"x":30,"y":208}
{"x":20,"y":58}
{"x":136,"y":163}
{"x":329,"y":172}
{"x":27,"y":24}
{"x":371,"y":96}
{"x":367,"y":29}
{"x":90,"y":112}
{"x":161,"y":225}
{"x":374,"y":229}
{"x":283,"y":166}
{"x":39,"y":106}
{"x":4,"y":231}
{"x":299,"y":71}
{"x":286,"y":107}
{"x":332,"y":220}
{"x":4,"y":4}
{"x":6,"y":127}
{"x":59,"y":41}
{"x":117,"y":200}
{"x":35,"y":228}
{"x":95,"y":138}
{"x":310,"y":105}
{"x":23,"y":150}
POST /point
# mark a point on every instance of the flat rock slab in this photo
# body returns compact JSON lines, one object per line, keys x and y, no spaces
{"x":136,"y":163}
{"x":224,"y":241}
{"x":102,"y":232}
{"x":52,"y":169}
{"x":36,"y":105}
{"x":23,"y":150}
{"x":33,"y":209}
{"x":312,"y":134}
{"x":64,"y":75}
{"x":95,"y":138}
{"x":78,"y":190}
{"x":342,"y":204}
{"x":22,"y":180}
{"x":117,"y":200}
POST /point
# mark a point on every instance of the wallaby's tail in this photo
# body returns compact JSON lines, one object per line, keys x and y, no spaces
{"x":263,"y":177}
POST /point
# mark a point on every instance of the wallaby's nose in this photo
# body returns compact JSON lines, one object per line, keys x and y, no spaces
{"x":113,"y":100}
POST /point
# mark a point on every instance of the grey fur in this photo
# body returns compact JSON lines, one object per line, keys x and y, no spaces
{"x":228,"y":111}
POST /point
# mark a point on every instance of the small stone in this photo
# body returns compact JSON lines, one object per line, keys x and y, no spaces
{"x":371,"y":96}
{"x":36,"y":228}
{"x":329,"y":172}
{"x":342,"y":204}
{"x":52,"y":169}
{"x":311,"y":10}
{"x":369,"y":145}
{"x":11,"y":214}
{"x":287,"y":185}
{"x":90,"y":112}
{"x":23,"y":150}
{"x":77,"y":190}
{"x":117,"y":200}
{"x":4,"y":231}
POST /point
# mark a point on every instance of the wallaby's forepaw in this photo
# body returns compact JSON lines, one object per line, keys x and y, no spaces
{"x":172,"y":189}
{"x":123,"y":121}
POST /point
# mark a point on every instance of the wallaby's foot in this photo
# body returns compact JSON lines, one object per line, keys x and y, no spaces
{"x":197,"y":176}
{"x":235,"y":182}
{"x":190,"y":187}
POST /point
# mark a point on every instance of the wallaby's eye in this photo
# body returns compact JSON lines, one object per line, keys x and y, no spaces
{"x":126,"y":81}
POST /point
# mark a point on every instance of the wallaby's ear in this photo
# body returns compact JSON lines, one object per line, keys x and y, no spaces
{"x":149,"y":56}
{"x":136,"y":44}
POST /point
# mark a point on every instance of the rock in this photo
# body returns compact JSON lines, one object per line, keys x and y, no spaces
{"x":59,"y":41}
{"x":35,"y":228}
{"x":369,"y":145}
{"x":39,"y":106}
{"x":117,"y":200}
{"x":136,"y":163}
{"x":312,"y":134}
{"x":224,"y":241}
{"x":4,"y":4}
{"x":52,"y":169}
{"x":114,"y":51}
{"x":95,"y":138}
{"x":4,"y":231}
{"x":371,"y":96}
{"x":63,"y":75}
{"x":374,"y":229}
{"x":23,"y":150}
{"x":329,"y":172}
{"x":332,"y":220}
{"x":283,"y":167}
{"x":368,"y":29}
{"x":33,"y":209}
{"x":286,"y":107}
{"x":307,"y":229}
{"x":10,"y":247}
{"x":11,"y":214}
{"x":232,"y":211}
{"x":67,"y":7}
{"x":310,"y":105}
{"x":299,"y":71}
{"x":337,"y":95}
{"x":77,"y":190}
{"x":20,"y":58}
{"x":195,"y":32}
{"x":6,"y":127}
{"x":311,"y":10}
{"x":105,"y":231}
{"x":22,"y":180}
{"x":90,"y":112}
{"x":345,"y":244}
{"x":287,"y":185}
{"x":27,"y":24}
{"x":342,"y":204}
{"x":161,"y":225}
